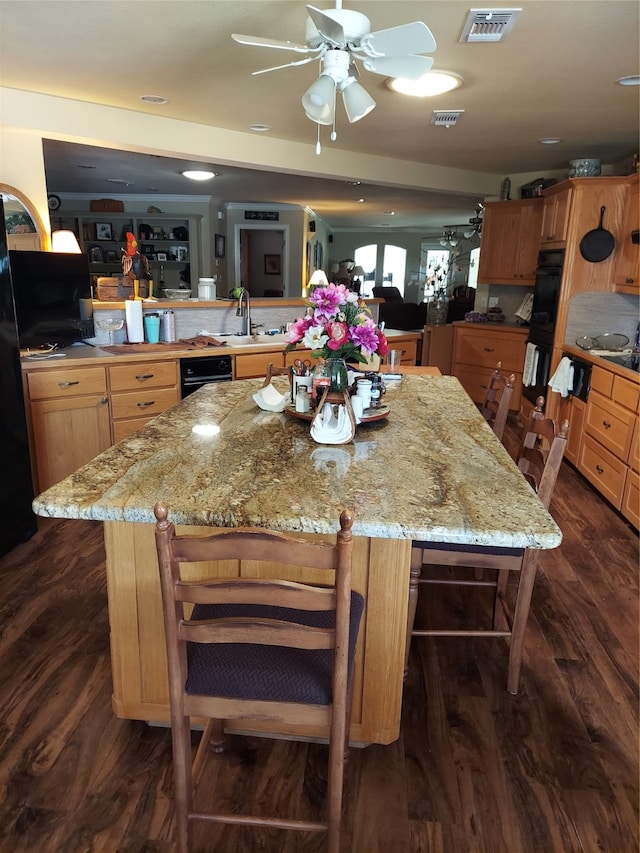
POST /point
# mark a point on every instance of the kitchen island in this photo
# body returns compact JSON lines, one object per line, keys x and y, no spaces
{"x":432,"y":470}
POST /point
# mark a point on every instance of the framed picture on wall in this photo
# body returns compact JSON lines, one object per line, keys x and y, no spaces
{"x":103,"y":231}
{"x":219,"y":246}
{"x":272,"y":265}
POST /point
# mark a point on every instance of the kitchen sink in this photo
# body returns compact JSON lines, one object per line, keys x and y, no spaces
{"x":248,"y":340}
{"x":631,"y":362}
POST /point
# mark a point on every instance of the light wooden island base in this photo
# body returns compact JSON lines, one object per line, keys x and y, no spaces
{"x":140,"y":688}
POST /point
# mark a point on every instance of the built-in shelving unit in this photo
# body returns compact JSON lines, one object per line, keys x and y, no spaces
{"x":171,"y":243}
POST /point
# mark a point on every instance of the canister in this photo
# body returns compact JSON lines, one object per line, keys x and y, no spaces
{"x":207,"y":289}
{"x":168,"y":326}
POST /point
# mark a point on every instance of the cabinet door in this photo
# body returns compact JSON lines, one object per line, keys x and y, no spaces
{"x":555,"y":217}
{"x":528,"y":242}
{"x":575,"y":415}
{"x":255,"y":365}
{"x":510,"y":241}
{"x":67,"y":434}
{"x":626,"y":272}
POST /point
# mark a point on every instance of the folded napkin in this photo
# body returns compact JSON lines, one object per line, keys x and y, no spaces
{"x":332,"y":425}
{"x":202,"y":341}
{"x":562,"y":379}
{"x":530,"y":365}
{"x":269,"y":399}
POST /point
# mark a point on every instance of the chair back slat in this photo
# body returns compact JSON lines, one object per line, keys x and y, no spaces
{"x":495,"y":408}
{"x":541,"y":453}
{"x":256,"y":591}
{"x":269,"y":632}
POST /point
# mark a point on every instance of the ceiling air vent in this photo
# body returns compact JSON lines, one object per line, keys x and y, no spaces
{"x":489,"y":25}
{"x":446,"y":118}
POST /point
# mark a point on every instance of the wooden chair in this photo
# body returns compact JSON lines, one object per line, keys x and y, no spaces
{"x":242,"y":628}
{"x":275,"y":370}
{"x":495,"y":408}
{"x":539,"y":459}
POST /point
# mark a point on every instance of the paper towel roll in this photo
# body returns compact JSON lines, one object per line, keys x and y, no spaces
{"x":135,"y":328}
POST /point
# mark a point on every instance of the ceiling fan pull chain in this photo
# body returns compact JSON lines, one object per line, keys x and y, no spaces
{"x":318,"y":146}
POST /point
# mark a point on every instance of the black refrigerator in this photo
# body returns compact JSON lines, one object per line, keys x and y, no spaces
{"x":17,"y":520}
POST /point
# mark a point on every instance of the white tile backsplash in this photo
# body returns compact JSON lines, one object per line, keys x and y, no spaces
{"x":596,"y":313}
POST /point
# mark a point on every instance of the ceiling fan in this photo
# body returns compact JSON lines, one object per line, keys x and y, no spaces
{"x":339,"y":38}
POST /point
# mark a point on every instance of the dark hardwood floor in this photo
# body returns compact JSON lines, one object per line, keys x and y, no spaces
{"x":475,"y":769}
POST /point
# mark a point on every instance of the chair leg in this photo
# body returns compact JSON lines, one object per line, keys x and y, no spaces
{"x":499,"y":617}
{"x":520,"y":618}
{"x":183,"y":781}
{"x":414,"y":579}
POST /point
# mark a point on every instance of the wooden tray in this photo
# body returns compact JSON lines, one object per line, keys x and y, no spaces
{"x":376,"y":414}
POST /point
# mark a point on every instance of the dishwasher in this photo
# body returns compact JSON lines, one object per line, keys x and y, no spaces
{"x":196,"y":372}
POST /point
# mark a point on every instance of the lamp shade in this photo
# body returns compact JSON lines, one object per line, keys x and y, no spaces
{"x":357,"y":271}
{"x":319,"y":100}
{"x":319,"y":277}
{"x":335,"y":267}
{"x":357,"y":101}
{"x":65,"y":241}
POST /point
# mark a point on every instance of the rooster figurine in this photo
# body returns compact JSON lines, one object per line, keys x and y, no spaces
{"x":134,"y":264}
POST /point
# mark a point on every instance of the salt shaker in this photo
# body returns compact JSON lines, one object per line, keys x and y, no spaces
{"x":303,"y":402}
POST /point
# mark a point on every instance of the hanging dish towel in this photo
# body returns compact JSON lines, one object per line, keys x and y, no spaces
{"x":562,"y":379}
{"x":530,"y":365}
{"x":332,"y":425}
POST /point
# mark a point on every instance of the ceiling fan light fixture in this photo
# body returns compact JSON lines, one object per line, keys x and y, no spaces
{"x":430,"y":84}
{"x":630,"y":80}
{"x":318,"y":101}
{"x":357,"y":101}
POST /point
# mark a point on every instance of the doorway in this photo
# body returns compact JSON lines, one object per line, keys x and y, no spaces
{"x":262,"y":259}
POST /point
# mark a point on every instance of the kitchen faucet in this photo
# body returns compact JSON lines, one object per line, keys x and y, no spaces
{"x":241,"y":311}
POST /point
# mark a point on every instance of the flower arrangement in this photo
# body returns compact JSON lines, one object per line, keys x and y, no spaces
{"x":337,"y":325}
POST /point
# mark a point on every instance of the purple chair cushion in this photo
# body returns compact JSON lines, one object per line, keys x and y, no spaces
{"x":275,"y":673}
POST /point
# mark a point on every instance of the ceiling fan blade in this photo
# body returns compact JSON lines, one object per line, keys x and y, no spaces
{"x":258,"y":41}
{"x":286,"y":65}
{"x":409,"y":67}
{"x":398,"y":41}
{"x":329,"y":29}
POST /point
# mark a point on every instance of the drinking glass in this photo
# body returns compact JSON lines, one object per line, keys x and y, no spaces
{"x":111,"y":324}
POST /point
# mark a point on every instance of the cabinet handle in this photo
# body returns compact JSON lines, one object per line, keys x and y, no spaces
{"x":599,"y":469}
{"x":104,"y":401}
{"x":141,"y":377}
{"x":68,"y":384}
{"x":606,"y":424}
{"x":629,"y":280}
{"x":489,"y":349}
{"x":146,"y":403}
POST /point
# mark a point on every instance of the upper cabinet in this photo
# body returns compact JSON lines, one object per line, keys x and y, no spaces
{"x":626,"y":271}
{"x":510,"y":242}
{"x":555,"y":216}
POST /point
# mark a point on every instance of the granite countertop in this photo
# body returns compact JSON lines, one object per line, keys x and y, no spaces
{"x":433,"y":470}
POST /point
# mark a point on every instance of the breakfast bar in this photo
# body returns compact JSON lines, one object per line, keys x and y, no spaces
{"x":432,"y":470}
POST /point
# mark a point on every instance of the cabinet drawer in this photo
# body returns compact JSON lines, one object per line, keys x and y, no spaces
{"x":610,"y":424}
{"x":631,"y":498}
{"x":149,"y":402}
{"x":602,"y":381}
{"x":48,"y":384}
{"x":255,"y":365}
{"x":124,"y":428}
{"x":150,"y":374}
{"x":603,"y":469}
{"x":488,"y":350}
{"x":409,"y":351}
{"x":626,"y":393}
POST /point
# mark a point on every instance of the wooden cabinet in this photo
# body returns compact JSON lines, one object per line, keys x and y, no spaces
{"x":477,"y":349}
{"x":69,"y":420}
{"x":510,"y":242}
{"x":573,"y":409}
{"x":437,"y":347}
{"x":608,"y":453}
{"x":254,"y":365}
{"x":626,"y":271}
{"x":139,"y":392}
{"x":555,"y":216}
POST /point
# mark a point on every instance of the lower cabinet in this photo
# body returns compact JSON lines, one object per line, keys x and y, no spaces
{"x":573,"y":410}
{"x":477,"y":350}
{"x":69,"y":421}
{"x":139,"y":392}
{"x":609,"y":451}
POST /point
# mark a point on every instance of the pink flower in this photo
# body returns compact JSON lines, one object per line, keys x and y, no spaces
{"x":297,"y":330}
{"x":328,"y":300}
{"x":365,"y":336}
{"x":338,"y":335}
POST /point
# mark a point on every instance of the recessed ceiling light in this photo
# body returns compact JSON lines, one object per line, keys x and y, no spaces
{"x":430,"y":84}
{"x":389,"y":213}
{"x":353,"y":183}
{"x":360,"y":200}
{"x":153,"y":99}
{"x":259,"y":128}
{"x":631,"y":80}
{"x":550,"y":140}
{"x":198,"y":174}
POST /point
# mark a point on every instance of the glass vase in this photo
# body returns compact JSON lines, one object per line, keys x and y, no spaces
{"x":335,"y":369}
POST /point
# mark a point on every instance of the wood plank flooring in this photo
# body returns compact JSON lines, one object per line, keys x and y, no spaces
{"x":553,"y":770}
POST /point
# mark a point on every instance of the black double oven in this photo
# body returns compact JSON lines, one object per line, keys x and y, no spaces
{"x":546,"y":295}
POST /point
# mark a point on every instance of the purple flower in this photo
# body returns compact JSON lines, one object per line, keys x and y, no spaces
{"x":365,"y":336}
{"x":328,"y":300}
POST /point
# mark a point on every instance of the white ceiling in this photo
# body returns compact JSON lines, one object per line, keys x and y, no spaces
{"x":553,"y":75}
